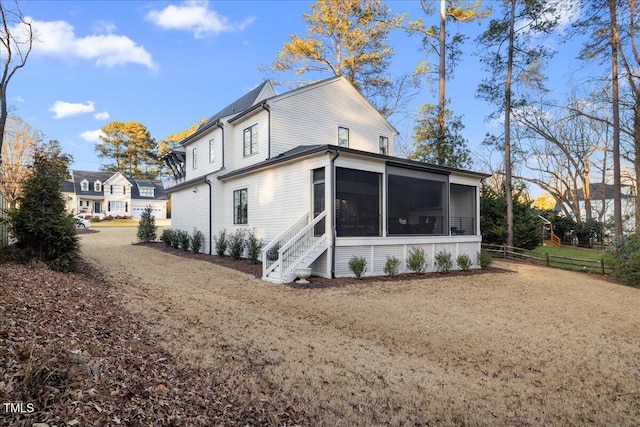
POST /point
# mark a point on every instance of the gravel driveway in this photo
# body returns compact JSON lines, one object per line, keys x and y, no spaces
{"x":532,"y":347}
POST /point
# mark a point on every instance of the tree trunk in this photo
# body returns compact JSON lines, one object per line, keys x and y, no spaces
{"x":507,"y":126}
{"x":636,"y":160}
{"x":442,"y":67}
{"x":617,"y":184}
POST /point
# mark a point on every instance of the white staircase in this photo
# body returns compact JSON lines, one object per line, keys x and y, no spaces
{"x":296,"y":247}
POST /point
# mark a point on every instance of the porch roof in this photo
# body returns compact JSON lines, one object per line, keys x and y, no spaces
{"x":308,"y":150}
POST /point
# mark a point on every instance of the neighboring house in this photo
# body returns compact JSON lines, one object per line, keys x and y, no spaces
{"x":312,"y":171}
{"x":601,"y":200}
{"x":103,"y":194}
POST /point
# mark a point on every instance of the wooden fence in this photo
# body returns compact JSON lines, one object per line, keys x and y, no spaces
{"x":576,"y":264}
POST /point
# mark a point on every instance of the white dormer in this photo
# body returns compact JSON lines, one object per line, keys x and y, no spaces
{"x":84,"y":185}
{"x":97,"y":186}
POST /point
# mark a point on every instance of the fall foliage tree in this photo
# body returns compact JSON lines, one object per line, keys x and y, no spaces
{"x":16,"y":38}
{"x":131,"y":149}
{"x":20,"y":142}
{"x":165,"y":145}
{"x":349,"y":38}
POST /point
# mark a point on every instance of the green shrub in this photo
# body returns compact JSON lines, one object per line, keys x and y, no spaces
{"x":196,"y":240}
{"x":147,"y":229}
{"x":358,"y":266}
{"x":623,"y":257}
{"x":484,"y":259}
{"x":392,"y":266}
{"x":416,"y":261}
{"x":236,"y":244}
{"x":272,"y":253}
{"x":183,"y":240}
{"x":221,"y":242}
{"x":168,"y":236}
{"x":40,"y":225}
{"x":443,"y":262}
{"x":464,"y":262}
{"x":254,"y":247}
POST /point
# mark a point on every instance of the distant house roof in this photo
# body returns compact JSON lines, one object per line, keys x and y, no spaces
{"x":598,"y":190}
{"x":74,"y":186}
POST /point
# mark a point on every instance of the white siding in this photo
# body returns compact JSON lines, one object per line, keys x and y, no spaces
{"x":202,"y":145}
{"x":312,"y":116}
{"x":238,"y":160}
{"x":189,"y":209}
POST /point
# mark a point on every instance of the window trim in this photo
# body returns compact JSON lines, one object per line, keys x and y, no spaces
{"x":251,"y":140}
{"x":342,"y":128}
{"x":97,"y":186}
{"x":194,"y":158}
{"x":212,"y":150}
{"x":384,"y":139}
{"x":84,"y":185}
{"x":243,"y":218}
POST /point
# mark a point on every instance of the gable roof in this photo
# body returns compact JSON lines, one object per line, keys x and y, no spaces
{"x":91,"y":177}
{"x":600,"y":191}
{"x":74,"y":186}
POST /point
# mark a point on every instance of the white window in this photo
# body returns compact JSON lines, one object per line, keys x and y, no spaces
{"x":211,"y":150}
{"x":118,"y":206}
{"x":146,"y":191}
{"x":250,"y":139}
{"x":384,"y":145}
{"x":118,"y":189}
{"x":343,"y":137}
{"x":240,"y":207}
{"x":194,"y":158}
{"x":84,"y":185}
{"x":97,"y":186}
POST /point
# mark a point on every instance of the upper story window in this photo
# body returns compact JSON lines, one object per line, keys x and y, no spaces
{"x":212,"y":150}
{"x":384,"y":145}
{"x":343,"y":137}
{"x":97,"y":186}
{"x":250,"y":140}
{"x":147,"y":191}
{"x":194,"y":158}
{"x":118,"y":189}
{"x":240,"y":207}
{"x":84,"y":185}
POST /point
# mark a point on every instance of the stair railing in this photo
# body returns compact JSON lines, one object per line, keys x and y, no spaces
{"x":269,"y":261}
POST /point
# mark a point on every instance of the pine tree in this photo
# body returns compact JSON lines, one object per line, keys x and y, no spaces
{"x":43,"y":230}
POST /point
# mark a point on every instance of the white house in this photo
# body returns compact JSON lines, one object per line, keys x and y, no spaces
{"x":601,"y":200}
{"x":313,"y":172}
{"x":103,"y":194}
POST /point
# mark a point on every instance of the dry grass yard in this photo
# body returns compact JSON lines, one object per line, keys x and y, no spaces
{"x":531,"y":347}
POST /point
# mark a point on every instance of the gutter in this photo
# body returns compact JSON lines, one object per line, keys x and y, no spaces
{"x":268,"y":109}
{"x":206,"y":181}
{"x":221,"y":126}
{"x":332,"y":203}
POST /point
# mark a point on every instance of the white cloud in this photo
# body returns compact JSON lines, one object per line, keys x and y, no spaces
{"x":63,"y":109}
{"x":101,"y":116}
{"x":195,"y":16}
{"x":106,"y":27}
{"x":92,"y":135}
{"x":57,"y":38}
{"x":19,"y":99}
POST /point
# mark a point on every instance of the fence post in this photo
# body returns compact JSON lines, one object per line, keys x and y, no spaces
{"x":504,"y":250}
{"x":547,"y":254}
{"x":602,"y":265}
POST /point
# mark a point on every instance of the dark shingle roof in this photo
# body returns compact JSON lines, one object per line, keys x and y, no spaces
{"x":598,"y":190}
{"x":79,"y":176}
{"x":158,"y":194}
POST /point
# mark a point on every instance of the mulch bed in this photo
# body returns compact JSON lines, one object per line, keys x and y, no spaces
{"x":255,"y":270}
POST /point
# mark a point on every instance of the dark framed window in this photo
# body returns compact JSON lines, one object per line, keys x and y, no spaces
{"x":194,"y":158}
{"x":212,"y":151}
{"x":417,"y":203}
{"x":384,"y":145}
{"x":358,"y":206}
{"x":250,"y":140}
{"x":240,"y":206}
{"x":343,"y":137}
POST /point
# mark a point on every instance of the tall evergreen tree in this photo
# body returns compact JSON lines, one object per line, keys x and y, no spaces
{"x":40,"y":224}
{"x":131,"y":148}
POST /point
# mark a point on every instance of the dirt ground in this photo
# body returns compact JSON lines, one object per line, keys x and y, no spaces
{"x":534,"y":346}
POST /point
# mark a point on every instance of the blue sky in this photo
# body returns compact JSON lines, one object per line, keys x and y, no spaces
{"x":169,"y":64}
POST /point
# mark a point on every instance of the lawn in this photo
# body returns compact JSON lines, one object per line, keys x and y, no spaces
{"x":528,"y":346}
{"x":116,"y":223}
{"x":570,"y":252}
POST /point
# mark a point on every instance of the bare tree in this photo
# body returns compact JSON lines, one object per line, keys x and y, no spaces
{"x":20,"y":142}
{"x":16,"y":36}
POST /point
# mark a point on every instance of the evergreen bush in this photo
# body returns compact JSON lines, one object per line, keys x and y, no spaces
{"x":623,"y":256}
{"x":196,"y":240}
{"x":392,"y":266}
{"x":222,"y":243}
{"x":183,"y":240}
{"x":484,"y":259}
{"x":464,"y":262}
{"x":358,"y":266}
{"x":254,"y":247}
{"x":168,"y":236}
{"x":40,"y":225}
{"x":147,"y":229}
{"x":272,"y":253}
{"x":443,"y":262}
{"x":417,"y":261}
{"x":236,"y":244}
